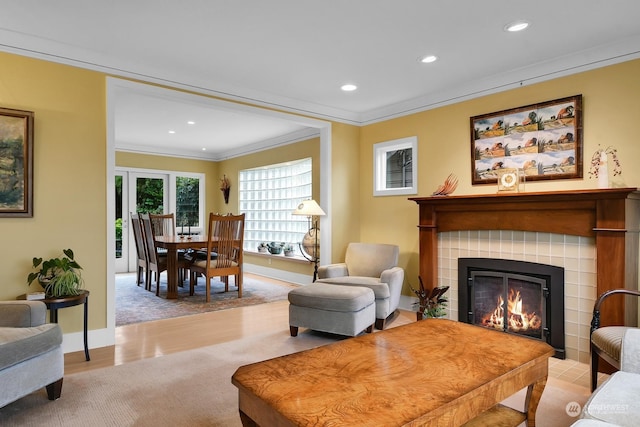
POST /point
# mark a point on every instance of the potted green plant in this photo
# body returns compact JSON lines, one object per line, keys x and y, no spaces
{"x":58,"y":276}
{"x":431,"y":303}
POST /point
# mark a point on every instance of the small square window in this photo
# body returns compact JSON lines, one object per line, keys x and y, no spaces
{"x":394,"y":172}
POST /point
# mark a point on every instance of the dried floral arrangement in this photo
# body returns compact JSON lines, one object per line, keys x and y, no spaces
{"x":225,"y":187}
{"x":595,"y":161}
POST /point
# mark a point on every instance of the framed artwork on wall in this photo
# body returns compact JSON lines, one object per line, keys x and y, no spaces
{"x":543,"y":141}
{"x":16,"y":163}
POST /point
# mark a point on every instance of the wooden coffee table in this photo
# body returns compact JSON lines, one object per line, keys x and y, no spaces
{"x":434,"y":372}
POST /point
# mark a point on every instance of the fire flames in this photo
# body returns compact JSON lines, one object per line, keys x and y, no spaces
{"x":517,"y":319}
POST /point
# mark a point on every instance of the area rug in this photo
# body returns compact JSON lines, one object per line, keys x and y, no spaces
{"x":134,"y":304}
{"x":193,"y":388}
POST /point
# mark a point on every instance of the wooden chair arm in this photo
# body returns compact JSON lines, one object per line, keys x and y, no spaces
{"x":595,"y":320}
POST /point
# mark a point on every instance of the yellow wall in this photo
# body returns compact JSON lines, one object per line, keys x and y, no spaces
{"x":70,"y":166}
{"x":346,"y":188}
{"x":611,"y":110}
{"x":69,"y":178}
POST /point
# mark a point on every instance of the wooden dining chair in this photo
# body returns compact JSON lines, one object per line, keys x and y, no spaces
{"x":143,"y":262}
{"x":156,"y":263}
{"x":165,"y":225}
{"x":225,"y":239}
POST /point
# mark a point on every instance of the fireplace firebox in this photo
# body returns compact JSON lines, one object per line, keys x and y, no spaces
{"x":516,"y":297}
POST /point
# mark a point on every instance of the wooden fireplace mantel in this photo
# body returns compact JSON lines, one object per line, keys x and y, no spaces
{"x":611,"y":216}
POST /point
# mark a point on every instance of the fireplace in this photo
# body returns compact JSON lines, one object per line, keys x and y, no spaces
{"x":516,"y":297}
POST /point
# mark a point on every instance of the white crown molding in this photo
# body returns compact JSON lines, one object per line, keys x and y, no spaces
{"x":49,"y":50}
{"x":596,"y":57}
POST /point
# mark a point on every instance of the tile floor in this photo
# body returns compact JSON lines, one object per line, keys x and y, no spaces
{"x":573,"y":372}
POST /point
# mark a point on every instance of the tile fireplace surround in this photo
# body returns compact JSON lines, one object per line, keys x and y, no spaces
{"x":592,"y":234}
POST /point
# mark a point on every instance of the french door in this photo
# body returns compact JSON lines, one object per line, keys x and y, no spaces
{"x":136,"y":192}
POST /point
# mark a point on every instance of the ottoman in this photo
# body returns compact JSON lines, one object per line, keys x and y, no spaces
{"x":343,"y":310}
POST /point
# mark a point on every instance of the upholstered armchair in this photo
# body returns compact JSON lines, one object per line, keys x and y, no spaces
{"x":606,"y":342}
{"x":31,"y":355}
{"x":370,"y":265}
{"x":615,"y":402}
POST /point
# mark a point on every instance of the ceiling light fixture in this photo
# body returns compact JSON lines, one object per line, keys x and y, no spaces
{"x":349,"y":87}
{"x":191,"y":122}
{"x":172,"y":131}
{"x":428,"y":59}
{"x":516,"y":26}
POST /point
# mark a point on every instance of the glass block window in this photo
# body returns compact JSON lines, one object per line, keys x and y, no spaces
{"x":268,"y":197}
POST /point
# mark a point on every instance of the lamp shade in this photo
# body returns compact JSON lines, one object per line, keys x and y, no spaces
{"x":309,"y":208}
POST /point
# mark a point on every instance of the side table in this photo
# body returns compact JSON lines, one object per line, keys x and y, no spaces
{"x":54,"y":304}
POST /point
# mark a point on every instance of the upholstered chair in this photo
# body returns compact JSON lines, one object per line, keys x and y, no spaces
{"x":606,"y":342}
{"x":371,"y":265}
{"x":31,"y":355}
{"x":615,"y":401}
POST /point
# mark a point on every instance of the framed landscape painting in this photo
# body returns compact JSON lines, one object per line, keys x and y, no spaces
{"x":16,"y":163}
{"x":543,"y":141}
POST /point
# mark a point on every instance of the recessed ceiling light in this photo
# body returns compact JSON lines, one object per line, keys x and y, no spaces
{"x":349,"y":87}
{"x":428,"y":59}
{"x":204,"y":149}
{"x":191,"y":122}
{"x":516,"y":26}
{"x":172,"y":131}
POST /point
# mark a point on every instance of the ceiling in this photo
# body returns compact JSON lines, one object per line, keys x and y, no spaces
{"x":295,"y":55}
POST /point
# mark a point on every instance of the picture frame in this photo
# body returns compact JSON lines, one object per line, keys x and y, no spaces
{"x":394,"y":171}
{"x":543,"y":141}
{"x":16,"y":163}
{"x":508,"y":180}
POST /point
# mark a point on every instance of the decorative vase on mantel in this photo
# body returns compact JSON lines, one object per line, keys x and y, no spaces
{"x":600,"y":165}
{"x":603,"y":170}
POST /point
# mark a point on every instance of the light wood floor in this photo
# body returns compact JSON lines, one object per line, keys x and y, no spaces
{"x":161,"y":337}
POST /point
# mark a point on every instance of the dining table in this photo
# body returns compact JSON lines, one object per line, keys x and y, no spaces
{"x":172,"y":243}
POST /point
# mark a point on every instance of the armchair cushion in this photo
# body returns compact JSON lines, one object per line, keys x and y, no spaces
{"x":370,"y":260}
{"x":380,"y":289}
{"x":630,"y":360}
{"x":22,"y":314}
{"x":609,"y":340}
{"x":615,"y":400}
{"x":20,"y":344}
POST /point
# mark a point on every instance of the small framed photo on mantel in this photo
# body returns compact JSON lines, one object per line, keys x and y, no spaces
{"x":508,"y":180}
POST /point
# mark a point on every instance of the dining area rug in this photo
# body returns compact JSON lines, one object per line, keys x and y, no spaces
{"x":134,"y":304}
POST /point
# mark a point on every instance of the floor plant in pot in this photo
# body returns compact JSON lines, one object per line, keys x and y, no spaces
{"x":432,"y":303}
{"x":59,"y":277}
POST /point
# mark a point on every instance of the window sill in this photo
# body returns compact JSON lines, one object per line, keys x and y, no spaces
{"x":298,"y":259}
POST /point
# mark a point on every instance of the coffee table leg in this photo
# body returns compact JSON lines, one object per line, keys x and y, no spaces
{"x":534,"y":393}
{"x":246,"y":421}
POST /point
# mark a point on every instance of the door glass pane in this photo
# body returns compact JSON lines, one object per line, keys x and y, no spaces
{"x":187,"y":201}
{"x":150,"y":195}
{"x":118,"y":216}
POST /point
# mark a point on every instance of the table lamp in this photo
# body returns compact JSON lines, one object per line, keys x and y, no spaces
{"x":310,"y":245}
